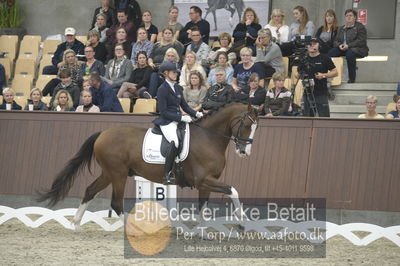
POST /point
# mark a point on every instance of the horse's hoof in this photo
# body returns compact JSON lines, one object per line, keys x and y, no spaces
{"x":76,"y":226}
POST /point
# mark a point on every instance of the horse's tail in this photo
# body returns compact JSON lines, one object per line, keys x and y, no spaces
{"x":65,"y":179}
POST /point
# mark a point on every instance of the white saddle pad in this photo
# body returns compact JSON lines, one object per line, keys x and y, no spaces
{"x":152,"y":144}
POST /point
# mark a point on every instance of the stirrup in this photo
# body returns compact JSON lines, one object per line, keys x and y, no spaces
{"x":169,"y":179}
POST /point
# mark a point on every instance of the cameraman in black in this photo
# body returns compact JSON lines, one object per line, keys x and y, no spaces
{"x":318,"y":67}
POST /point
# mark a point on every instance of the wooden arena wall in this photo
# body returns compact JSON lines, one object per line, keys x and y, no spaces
{"x":354,"y":164}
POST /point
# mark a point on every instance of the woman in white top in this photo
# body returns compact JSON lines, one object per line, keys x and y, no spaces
{"x":277,"y":26}
{"x":190,"y":64}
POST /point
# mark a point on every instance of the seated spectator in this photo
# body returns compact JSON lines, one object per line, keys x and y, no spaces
{"x":8,"y":100}
{"x":87,"y":104}
{"x":36,"y":101}
{"x":130,"y":29}
{"x":119,"y":69}
{"x":142,"y":44}
{"x":121,"y":39}
{"x":63,"y":102}
{"x":245,"y":33}
{"x":86,"y":83}
{"x":67,"y":84}
{"x":327,"y":33}
{"x":351,"y":41}
{"x":219,"y":94}
{"x":91,"y":64}
{"x":132,"y":8}
{"x":200,"y":48}
{"x":195,"y":93}
{"x":196,"y":20}
{"x":167,"y":41}
{"x":139,"y":80}
{"x":301,"y":26}
{"x":269,"y":54}
{"x":156,"y":79}
{"x":172,"y":23}
{"x":101,"y":27}
{"x":222,"y":62}
{"x":371,"y":103}
{"x":277,"y":26}
{"x":190,"y":65}
{"x":100,"y":50}
{"x":225,"y":41}
{"x":253,"y":93}
{"x":152,"y":31}
{"x":103,"y":95}
{"x":3,"y":80}
{"x":244,"y":70}
{"x":395,"y":114}
{"x":106,"y":10}
{"x":277,"y":100}
{"x":71,"y":43}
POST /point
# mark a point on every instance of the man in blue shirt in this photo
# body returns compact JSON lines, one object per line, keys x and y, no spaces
{"x":103,"y":95}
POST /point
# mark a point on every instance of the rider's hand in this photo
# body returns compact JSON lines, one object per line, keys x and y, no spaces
{"x":199,"y":115}
{"x":186,"y":119}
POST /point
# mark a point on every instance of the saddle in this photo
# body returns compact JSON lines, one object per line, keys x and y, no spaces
{"x":180,"y":132}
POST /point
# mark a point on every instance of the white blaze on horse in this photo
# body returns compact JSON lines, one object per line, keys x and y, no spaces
{"x":118,"y":151}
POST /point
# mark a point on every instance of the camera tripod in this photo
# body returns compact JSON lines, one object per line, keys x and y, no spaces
{"x":308,"y":85}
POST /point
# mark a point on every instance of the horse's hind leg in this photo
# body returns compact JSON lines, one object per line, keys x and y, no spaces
{"x":91,"y":191}
{"x":204,"y":195}
{"x":118,"y":186}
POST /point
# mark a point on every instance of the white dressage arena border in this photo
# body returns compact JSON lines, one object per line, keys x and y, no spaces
{"x":346,"y":230}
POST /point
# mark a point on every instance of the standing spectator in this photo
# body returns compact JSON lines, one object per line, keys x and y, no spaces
{"x":269,"y":54}
{"x":371,"y":103}
{"x":327,"y":33}
{"x":118,"y":69}
{"x":222,"y":62}
{"x":253,"y":93}
{"x":225,"y":43}
{"x":101,"y":27}
{"x":172,"y":23}
{"x":152,"y":31}
{"x":63,"y":102}
{"x":190,"y":65}
{"x":122,"y":22}
{"x":277,"y":26}
{"x":121,"y":39}
{"x":245,"y":33}
{"x":142,"y":44}
{"x":87,"y":104}
{"x":196,"y":20}
{"x":244,"y":70}
{"x":351,"y":41}
{"x":395,"y":114}
{"x":197,"y":45}
{"x":106,"y":10}
{"x":91,"y":64}
{"x":138,"y":83}
{"x":67,"y":84}
{"x":103,"y":95}
{"x":132,"y":8}
{"x":70,"y":43}
{"x":36,"y":100}
{"x":160,"y":48}
{"x":321,"y":68}
{"x":219,"y":94}
{"x":100,"y":51}
{"x":195,"y":93}
{"x":277,"y":100}
{"x":8,"y":99}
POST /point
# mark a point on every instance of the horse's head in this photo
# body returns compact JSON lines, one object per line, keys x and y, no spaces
{"x":243,"y":130}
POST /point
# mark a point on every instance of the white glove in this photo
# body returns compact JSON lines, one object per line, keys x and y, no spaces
{"x":199,"y":115}
{"x":186,"y":119}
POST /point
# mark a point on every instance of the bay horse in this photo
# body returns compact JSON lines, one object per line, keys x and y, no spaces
{"x":118,"y":151}
{"x":213,"y":5}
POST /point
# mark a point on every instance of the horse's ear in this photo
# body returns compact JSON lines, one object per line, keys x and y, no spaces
{"x":250,"y":108}
{"x":253,"y":110}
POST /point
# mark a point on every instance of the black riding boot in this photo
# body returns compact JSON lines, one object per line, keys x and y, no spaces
{"x":169,"y":177}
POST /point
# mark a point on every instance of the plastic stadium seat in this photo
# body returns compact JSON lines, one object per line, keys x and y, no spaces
{"x":21,"y":100}
{"x":22,"y":84}
{"x":1,"y":99}
{"x":338,"y":61}
{"x":46,"y":100}
{"x":286,"y":64}
{"x":144,"y":106}
{"x":25,"y":66}
{"x":33,"y":38}
{"x":50,"y":46}
{"x":46,"y":61}
{"x":390,"y":107}
{"x":9,"y":45}
{"x":7,"y":66}
{"x":82,"y":39}
{"x":43,"y":80}
{"x":29,"y":49}
{"x":125,"y":103}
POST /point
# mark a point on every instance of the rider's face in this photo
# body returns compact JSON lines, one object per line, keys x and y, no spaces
{"x":172,"y":75}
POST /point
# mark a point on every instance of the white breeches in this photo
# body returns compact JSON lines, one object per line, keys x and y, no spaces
{"x":169,"y":132}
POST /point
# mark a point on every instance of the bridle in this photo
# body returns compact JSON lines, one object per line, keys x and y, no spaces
{"x":236,"y":139}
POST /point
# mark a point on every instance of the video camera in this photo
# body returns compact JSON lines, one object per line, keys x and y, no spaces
{"x":300,"y":49}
